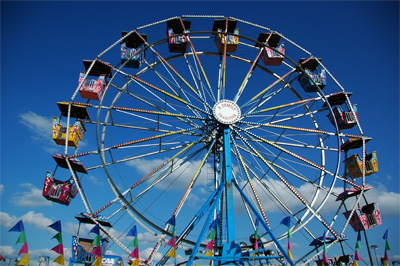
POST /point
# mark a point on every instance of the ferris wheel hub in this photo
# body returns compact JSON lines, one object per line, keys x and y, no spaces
{"x":226,"y":112}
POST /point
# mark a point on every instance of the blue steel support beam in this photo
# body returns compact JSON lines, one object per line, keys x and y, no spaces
{"x":230,"y":219}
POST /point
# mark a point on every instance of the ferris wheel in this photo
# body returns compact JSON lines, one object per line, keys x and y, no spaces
{"x":223,"y":125}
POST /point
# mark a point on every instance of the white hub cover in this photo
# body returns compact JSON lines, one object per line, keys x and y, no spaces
{"x":226,"y":112}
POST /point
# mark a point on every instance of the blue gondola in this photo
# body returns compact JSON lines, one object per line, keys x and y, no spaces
{"x":132,"y":49}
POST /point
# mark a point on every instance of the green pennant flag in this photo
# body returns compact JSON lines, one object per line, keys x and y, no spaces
{"x":289,"y":235}
{"x":96,"y":241}
{"x":325,"y":249}
{"x":21,"y":238}
{"x":134,"y":243}
{"x":173,"y":231}
{"x":58,"y":236}
{"x":211,"y":235}
{"x":358,"y":245}
{"x":387,"y":247}
{"x":256,"y":234}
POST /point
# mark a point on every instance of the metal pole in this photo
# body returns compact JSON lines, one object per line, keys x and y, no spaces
{"x":369,"y":251}
{"x":375,"y":247}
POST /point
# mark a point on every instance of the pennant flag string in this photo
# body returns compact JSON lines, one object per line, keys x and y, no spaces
{"x":19,"y":227}
{"x":60,"y":247}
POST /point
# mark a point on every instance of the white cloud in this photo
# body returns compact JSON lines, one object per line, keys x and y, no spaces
{"x":185,"y":172}
{"x":95,"y":180}
{"x":31,"y":198}
{"x":7,"y":251}
{"x":40,"y":128}
{"x":30,"y":218}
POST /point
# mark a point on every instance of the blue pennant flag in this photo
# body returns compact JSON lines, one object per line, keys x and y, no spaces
{"x":359,"y":236}
{"x":385,"y":236}
{"x":257,"y":221}
{"x":171,"y":221}
{"x":19,"y":227}
{"x":323,"y":237}
{"x":95,"y":229}
{"x":56,"y":226}
{"x":133,"y":232}
{"x":214,"y":224}
{"x":286,"y":221}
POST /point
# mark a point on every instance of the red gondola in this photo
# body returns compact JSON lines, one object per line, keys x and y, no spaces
{"x":177,"y":31}
{"x":59,"y":191}
{"x":365,"y":218}
{"x":271,"y":57}
{"x":93,"y":88}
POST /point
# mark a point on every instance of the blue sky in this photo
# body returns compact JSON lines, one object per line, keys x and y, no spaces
{"x":42,"y":48}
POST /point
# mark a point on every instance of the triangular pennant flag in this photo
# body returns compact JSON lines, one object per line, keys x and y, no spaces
{"x":257,"y":221}
{"x":172,"y":253}
{"x":289,"y":254}
{"x":19,"y":227}
{"x":357,"y":256}
{"x":289,"y":245}
{"x":98,"y":261}
{"x":256,"y":244}
{"x":24,"y":249}
{"x":173,"y":231}
{"x":133,"y":232}
{"x":171,"y":242}
{"x":211,"y":235}
{"x":95,"y":229}
{"x":325,"y":249}
{"x":96,"y":251}
{"x":96,"y":241}
{"x":385,"y":263}
{"x":58,"y":236}
{"x":209,"y":253}
{"x":60,"y":260}
{"x":359,"y":236}
{"x":214,"y":224}
{"x":210,"y":244}
{"x":386,"y":256}
{"x":134,"y":254}
{"x":325,"y":258}
{"x":256,"y":233}
{"x":21,"y":238}
{"x":59,"y":249}
{"x":134,"y":243}
{"x":385,"y":236}
{"x":56,"y":226}
{"x":286,"y":221}
{"x":323,"y":237}
{"x":355,"y":263}
{"x":171,"y":220}
{"x":358,"y":245}
{"x":387,"y":247}
{"x":289,"y":235}
{"x":135,"y":262}
{"x":24,"y":260}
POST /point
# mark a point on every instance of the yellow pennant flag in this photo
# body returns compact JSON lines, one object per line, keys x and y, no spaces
{"x":60,"y":260}
{"x":289,"y":254}
{"x":385,"y":263}
{"x":209,"y":253}
{"x":97,"y":262}
{"x":24,"y":260}
{"x":171,"y":253}
{"x":135,"y":262}
{"x":355,"y":263}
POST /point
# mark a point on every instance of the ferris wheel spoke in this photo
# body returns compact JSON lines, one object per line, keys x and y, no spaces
{"x":302,"y":102}
{"x":281,"y":79}
{"x":290,"y":187}
{"x":201,"y":67}
{"x":246,"y":79}
{"x":250,"y":182}
{"x":182,"y":151}
{"x":164,"y":61}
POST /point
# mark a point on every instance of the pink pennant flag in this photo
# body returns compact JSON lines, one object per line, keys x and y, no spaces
{"x":171,"y":242}
{"x":289,"y":245}
{"x":256,"y":245}
{"x":210,"y":244}
{"x":357,"y":256}
{"x":24,"y":249}
{"x":96,"y":251}
{"x":325,"y":258}
{"x":386,"y":256}
{"x":134,"y":254}
{"x":59,"y":249}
